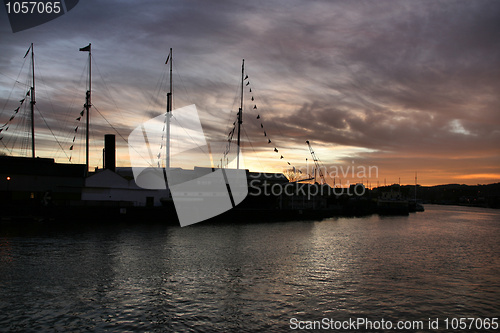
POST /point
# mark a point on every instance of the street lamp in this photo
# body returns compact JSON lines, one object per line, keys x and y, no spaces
{"x":8,"y":185}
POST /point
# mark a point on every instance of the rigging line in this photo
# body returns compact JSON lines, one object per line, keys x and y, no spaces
{"x":114,"y":128}
{"x":187,"y":97}
{"x":95,"y":148}
{"x":253,"y":148}
{"x":231,"y":114}
{"x":154,"y":95}
{"x":227,"y":147}
{"x":121,"y":136}
{"x":45,"y":121}
{"x":80,"y":144}
{"x":17,"y":81}
{"x":70,"y":109}
{"x":182,"y":85}
{"x":107,"y":89}
{"x":267,"y":106}
{"x":24,"y":139}
{"x":8,"y":150}
{"x":198,"y":146}
{"x":13,"y":126}
{"x":51,"y":105}
{"x":271,"y":120}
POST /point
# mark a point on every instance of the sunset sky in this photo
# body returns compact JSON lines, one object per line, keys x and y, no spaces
{"x":406,"y":86}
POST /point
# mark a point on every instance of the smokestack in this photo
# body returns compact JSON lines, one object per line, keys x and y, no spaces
{"x":109,"y":152}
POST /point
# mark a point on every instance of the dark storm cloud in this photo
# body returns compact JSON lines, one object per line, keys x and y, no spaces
{"x":407,"y":74}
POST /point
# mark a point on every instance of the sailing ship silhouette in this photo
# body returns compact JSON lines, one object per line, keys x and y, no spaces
{"x":199,"y":194}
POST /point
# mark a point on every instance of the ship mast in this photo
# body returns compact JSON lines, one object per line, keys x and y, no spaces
{"x":169,"y":113}
{"x":87,"y":105}
{"x":240,"y":115}
{"x":32,"y":93}
{"x":87,"y":108}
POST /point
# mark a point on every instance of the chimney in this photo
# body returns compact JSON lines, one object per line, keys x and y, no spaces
{"x":109,"y":152}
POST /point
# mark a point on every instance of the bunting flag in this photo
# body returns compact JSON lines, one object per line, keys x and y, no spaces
{"x":16,"y":111}
{"x":269,"y":141}
{"x":86,"y":48}
{"x":79,"y":118}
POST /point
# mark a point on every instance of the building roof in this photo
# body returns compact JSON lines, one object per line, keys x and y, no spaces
{"x":39,"y":167}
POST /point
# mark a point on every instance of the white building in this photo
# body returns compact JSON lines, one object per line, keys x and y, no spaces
{"x":108,"y":186}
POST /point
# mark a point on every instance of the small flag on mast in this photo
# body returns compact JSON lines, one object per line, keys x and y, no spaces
{"x":86,"y":48}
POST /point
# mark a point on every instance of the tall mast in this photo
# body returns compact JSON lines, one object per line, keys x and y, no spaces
{"x":88,"y":103}
{"x":240,"y":114}
{"x":169,"y":112}
{"x":87,"y":107}
{"x":33,"y":102}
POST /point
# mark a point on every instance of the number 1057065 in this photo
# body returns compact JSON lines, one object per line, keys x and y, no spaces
{"x":33,"y":7}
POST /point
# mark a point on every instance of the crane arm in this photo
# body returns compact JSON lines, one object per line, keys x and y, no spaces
{"x":316,"y":163}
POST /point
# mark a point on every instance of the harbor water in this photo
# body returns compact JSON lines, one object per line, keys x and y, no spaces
{"x":441,"y":264}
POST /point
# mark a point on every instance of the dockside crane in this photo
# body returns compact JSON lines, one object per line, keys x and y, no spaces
{"x":316,"y":163}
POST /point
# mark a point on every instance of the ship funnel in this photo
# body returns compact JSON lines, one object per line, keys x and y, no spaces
{"x":109,"y":152}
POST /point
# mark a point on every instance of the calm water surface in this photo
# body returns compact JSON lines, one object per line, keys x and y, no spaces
{"x":442,"y":263}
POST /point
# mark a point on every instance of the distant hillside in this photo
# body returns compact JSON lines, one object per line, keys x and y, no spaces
{"x":456,"y":194}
